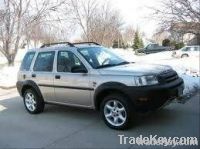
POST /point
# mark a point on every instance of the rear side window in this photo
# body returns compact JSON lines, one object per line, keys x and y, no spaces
{"x":26,"y":63}
{"x":197,"y":49}
{"x":44,"y":62}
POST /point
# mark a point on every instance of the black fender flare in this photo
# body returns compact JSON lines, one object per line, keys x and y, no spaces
{"x":108,"y":86}
{"x":21,"y":85}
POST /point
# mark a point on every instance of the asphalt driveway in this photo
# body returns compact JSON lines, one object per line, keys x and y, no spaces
{"x":64,"y":127}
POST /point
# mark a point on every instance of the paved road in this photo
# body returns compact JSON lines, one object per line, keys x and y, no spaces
{"x":64,"y":127}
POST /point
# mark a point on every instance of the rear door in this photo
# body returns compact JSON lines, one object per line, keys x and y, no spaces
{"x":42,"y":74}
{"x":71,"y":88}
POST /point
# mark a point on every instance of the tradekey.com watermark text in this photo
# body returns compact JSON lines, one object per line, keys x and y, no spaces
{"x":159,"y":141}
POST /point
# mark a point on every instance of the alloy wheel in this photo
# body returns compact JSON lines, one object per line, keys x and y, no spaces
{"x":115,"y":113}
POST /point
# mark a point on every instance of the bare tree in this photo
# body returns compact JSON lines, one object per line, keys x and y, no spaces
{"x":128,"y":35}
{"x":83,"y":11}
{"x":16,"y":18}
{"x":106,"y":25}
{"x":182,"y":16}
{"x":98,"y":21}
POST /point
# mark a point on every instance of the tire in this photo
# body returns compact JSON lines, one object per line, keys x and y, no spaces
{"x":123,"y":118}
{"x":32,"y":102}
{"x":184,"y":56}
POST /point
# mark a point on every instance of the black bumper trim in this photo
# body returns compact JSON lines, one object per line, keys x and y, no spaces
{"x":156,"y":95}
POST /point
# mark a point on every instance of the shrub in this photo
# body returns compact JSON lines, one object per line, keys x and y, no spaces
{"x":177,"y":45}
{"x":115,"y":44}
{"x":166,"y":43}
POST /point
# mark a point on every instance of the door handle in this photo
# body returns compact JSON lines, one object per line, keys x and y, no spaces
{"x":24,"y":76}
{"x":33,"y":75}
{"x":57,"y":77}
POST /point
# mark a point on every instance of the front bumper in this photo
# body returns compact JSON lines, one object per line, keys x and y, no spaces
{"x":148,"y":98}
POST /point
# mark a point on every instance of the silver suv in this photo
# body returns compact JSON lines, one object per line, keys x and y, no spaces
{"x":89,"y":75}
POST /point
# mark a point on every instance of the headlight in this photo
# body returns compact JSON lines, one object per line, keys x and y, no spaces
{"x":146,"y":80}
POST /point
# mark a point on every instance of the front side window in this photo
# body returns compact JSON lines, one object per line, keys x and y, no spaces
{"x":44,"y":62}
{"x":99,"y":57}
{"x":67,"y":60}
{"x":25,"y":66}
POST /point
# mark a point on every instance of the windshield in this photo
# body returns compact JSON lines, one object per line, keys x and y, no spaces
{"x":99,"y":57}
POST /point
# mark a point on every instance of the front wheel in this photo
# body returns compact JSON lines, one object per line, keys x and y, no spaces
{"x":116,"y":112}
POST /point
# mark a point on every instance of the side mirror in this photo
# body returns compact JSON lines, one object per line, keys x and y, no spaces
{"x":78,"y":69}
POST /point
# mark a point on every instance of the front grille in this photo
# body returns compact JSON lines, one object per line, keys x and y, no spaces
{"x":167,"y":76}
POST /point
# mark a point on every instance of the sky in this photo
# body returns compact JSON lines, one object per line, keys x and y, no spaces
{"x":137,"y":13}
{"x":134,"y":12}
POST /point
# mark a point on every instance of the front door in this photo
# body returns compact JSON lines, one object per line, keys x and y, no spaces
{"x":72,"y":88}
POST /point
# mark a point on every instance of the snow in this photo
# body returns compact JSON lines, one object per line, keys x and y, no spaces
{"x":187,"y":68}
{"x":18,"y":58}
{"x":8,"y":76}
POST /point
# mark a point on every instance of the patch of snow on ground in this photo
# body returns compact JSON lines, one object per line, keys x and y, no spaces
{"x":8,"y":76}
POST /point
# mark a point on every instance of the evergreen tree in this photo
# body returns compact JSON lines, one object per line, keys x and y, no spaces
{"x":138,"y":42}
{"x":141,"y":43}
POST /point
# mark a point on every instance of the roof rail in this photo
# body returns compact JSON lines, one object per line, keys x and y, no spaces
{"x":89,"y":43}
{"x":51,"y":44}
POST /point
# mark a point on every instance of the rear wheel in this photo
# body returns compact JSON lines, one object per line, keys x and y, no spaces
{"x":116,"y":111}
{"x":184,"y":56}
{"x":32,"y":102}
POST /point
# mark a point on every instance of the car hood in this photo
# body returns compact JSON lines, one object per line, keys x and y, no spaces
{"x":135,"y":69}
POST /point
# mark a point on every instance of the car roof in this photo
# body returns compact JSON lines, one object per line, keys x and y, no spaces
{"x":193,"y":46}
{"x":63,"y":46}
{"x":54,"y":48}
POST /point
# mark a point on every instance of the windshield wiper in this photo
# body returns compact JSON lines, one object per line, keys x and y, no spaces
{"x":123,"y":63}
{"x":107,"y":65}
{"x":111,"y":65}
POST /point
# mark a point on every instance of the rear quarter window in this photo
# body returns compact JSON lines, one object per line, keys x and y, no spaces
{"x":26,"y":63}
